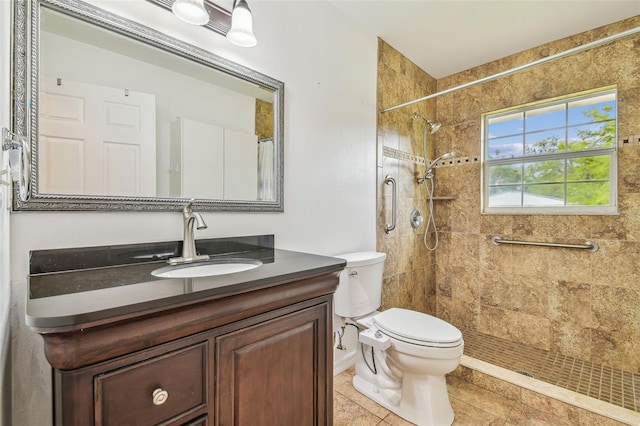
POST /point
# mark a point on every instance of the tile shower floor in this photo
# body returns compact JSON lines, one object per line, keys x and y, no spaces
{"x":618,"y":387}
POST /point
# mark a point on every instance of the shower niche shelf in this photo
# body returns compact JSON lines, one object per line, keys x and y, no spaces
{"x":444,"y":198}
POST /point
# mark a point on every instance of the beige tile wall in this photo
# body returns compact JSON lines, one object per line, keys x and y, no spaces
{"x":577,"y":303}
{"x":409,"y":279}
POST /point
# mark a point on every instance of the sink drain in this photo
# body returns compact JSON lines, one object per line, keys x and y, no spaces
{"x":525,"y":373}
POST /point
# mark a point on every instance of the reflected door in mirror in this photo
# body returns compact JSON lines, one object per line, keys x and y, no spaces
{"x":196,"y":151}
{"x":241,"y":165}
{"x":96,"y":140}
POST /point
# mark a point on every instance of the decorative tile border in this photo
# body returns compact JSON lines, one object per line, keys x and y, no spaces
{"x":401,"y":155}
{"x":405,"y":156}
{"x":457,"y":161}
{"x":628,"y":140}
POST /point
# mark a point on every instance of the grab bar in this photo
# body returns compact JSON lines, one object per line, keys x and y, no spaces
{"x":394,"y":195}
{"x":590,"y":246}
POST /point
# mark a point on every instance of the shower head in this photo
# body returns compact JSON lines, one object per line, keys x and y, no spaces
{"x":442,"y":157}
{"x":447,"y":156}
{"x":434,"y":126}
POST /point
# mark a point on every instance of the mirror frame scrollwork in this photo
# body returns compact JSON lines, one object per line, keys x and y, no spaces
{"x":25,"y":88}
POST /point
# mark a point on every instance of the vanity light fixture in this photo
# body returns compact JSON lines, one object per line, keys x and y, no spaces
{"x":190,"y":11}
{"x":236,"y":26}
{"x":241,"y":32}
{"x":218,"y":19}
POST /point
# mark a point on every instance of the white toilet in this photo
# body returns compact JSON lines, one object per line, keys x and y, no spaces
{"x":403,"y":355}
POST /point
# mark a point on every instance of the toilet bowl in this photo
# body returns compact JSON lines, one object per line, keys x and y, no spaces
{"x":403,"y":368}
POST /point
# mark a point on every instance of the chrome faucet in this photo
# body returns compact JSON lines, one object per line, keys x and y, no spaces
{"x":189,"y":219}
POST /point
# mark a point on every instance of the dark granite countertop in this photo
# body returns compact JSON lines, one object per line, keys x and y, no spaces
{"x":62,"y":297}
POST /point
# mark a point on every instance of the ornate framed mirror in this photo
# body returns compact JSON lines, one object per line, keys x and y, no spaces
{"x":122,"y":117}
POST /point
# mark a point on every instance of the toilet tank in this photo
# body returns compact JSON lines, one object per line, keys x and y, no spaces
{"x":360,"y":288}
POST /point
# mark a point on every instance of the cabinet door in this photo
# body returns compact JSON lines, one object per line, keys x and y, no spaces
{"x":276,"y":372}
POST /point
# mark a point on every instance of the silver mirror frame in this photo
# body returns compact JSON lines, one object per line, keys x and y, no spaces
{"x":25,"y":88}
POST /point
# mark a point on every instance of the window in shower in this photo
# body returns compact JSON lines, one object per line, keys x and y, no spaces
{"x":555,"y":157}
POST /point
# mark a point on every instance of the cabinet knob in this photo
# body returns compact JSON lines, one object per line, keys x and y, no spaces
{"x":160,"y":396}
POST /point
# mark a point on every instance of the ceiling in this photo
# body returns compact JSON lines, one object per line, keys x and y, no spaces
{"x":444,"y":37}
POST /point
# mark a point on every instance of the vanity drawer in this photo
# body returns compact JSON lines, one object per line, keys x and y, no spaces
{"x":200,"y":421}
{"x":153,"y":391}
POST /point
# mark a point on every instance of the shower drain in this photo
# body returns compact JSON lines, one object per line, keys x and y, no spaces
{"x":525,"y":373}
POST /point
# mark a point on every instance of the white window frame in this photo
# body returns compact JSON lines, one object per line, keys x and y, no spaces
{"x":611,"y":209}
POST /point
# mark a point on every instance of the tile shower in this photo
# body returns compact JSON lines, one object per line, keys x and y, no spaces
{"x":574,"y":304}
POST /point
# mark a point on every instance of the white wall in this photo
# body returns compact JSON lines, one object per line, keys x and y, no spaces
{"x":329,"y":73}
{"x":5,"y":292}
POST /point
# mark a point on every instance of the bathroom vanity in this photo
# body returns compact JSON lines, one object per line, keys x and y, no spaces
{"x":127,"y":348}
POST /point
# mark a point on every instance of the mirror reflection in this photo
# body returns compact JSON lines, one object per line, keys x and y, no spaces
{"x":119,"y":117}
{"x":134,"y":122}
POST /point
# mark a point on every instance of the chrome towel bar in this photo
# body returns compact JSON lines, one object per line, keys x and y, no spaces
{"x":590,"y":246}
{"x":394,"y":195}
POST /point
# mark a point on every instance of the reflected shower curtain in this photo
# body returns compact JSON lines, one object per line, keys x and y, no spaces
{"x":266,"y":181}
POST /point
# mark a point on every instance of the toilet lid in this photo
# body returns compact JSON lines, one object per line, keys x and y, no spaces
{"x":416,"y":326}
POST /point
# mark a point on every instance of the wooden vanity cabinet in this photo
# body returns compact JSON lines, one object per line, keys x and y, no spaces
{"x":261,"y":358}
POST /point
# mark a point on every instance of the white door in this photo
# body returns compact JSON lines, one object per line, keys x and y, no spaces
{"x":240,"y":165}
{"x":197,"y":159}
{"x":96,"y":140}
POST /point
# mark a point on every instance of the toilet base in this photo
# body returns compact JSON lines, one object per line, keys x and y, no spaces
{"x":422,"y":400}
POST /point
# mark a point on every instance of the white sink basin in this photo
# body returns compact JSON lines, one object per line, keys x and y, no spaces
{"x":207,"y":268}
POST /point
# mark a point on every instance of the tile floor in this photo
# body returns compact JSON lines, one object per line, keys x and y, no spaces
{"x":472,"y":405}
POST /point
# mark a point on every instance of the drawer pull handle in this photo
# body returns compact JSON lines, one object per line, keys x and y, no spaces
{"x":160,"y":396}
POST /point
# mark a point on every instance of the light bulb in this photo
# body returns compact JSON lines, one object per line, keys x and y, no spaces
{"x":241,"y":32}
{"x":190,"y":11}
